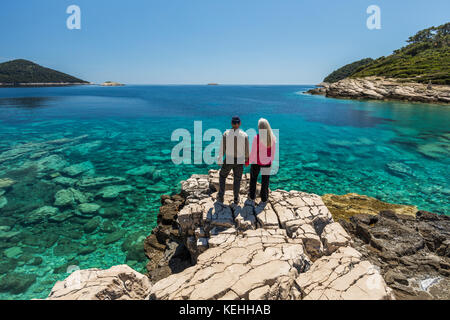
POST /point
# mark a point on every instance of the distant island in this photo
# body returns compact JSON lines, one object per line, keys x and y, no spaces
{"x":213,"y":84}
{"x":111,"y":84}
{"x":420,"y":71}
{"x":24,"y":73}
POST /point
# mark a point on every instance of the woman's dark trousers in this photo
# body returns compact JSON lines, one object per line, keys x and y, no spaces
{"x":254,"y":173}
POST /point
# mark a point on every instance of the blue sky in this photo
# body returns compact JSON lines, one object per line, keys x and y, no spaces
{"x":201,"y":41}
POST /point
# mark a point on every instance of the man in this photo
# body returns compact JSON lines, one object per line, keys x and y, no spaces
{"x":234,"y":146}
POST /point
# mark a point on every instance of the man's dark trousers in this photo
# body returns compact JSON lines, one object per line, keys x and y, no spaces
{"x":238,"y":169}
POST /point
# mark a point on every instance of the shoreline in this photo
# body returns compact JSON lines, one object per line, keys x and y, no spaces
{"x":296,"y":236}
{"x":43,"y":85}
{"x":384,"y":89}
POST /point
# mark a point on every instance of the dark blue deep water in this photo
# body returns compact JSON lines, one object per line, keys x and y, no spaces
{"x":396,"y":152}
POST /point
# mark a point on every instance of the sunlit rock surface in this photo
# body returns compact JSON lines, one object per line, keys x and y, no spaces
{"x":379,"y":88}
{"x":117,"y":283}
{"x":281,"y":250}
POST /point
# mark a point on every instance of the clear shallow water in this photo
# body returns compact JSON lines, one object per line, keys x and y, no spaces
{"x":396,"y":152}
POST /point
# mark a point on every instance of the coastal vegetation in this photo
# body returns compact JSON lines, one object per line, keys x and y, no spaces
{"x":425,"y":59}
{"x":347,"y":70}
{"x":20,"y":71}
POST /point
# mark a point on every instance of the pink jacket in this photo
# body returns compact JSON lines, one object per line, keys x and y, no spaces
{"x":260,"y":153}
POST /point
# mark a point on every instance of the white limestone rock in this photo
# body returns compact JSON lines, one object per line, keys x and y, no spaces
{"x":235,"y":269}
{"x":117,"y":283}
{"x":343,"y":276}
{"x":334,"y":236}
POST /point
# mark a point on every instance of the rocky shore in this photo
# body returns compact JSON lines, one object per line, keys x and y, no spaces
{"x":379,"y":88}
{"x":291,"y":248}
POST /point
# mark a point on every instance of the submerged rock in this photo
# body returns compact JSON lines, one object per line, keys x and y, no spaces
{"x":41,"y":214}
{"x":97,"y":182}
{"x":69,"y":197}
{"x":86,"y":148}
{"x":108,"y":227}
{"x":6,"y":235}
{"x":340,"y":143}
{"x":115,"y":236}
{"x":13,"y":252}
{"x":65,"y":181}
{"x":6,"y":183}
{"x":399,"y":169}
{"x":112,"y":192}
{"x":3,"y":202}
{"x":78,"y":169}
{"x":144,"y":170}
{"x":157,"y":188}
{"x":60,"y":217}
{"x":16,"y":283}
{"x":27,"y":149}
{"x":92,"y":225}
{"x":89,"y":208}
{"x":51,"y":163}
{"x":133,"y":246}
{"x":434,"y":150}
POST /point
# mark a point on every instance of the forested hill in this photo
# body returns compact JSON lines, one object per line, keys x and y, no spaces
{"x":426,"y":58}
{"x":25,"y":72}
{"x":347,"y":70}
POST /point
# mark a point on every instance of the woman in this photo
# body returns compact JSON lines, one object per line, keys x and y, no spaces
{"x":261,"y":158}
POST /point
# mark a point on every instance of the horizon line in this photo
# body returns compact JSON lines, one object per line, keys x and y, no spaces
{"x":215,"y":85}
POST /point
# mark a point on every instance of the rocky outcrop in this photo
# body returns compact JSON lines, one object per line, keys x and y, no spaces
{"x":261,"y":263}
{"x":165,"y":248}
{"x":342,"y":275}
{"x":379,"y":88}
{"x":116,"y":283}
{"x":297,"y":246}
{"x":263,"y":252}
{"x":412,"y":252}
{"x":408,"y":246}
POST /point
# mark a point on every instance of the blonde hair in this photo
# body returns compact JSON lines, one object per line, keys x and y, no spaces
{"x":263,"y":124}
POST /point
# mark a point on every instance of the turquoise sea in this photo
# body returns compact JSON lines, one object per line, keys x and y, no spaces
{"x":63,"y":142}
